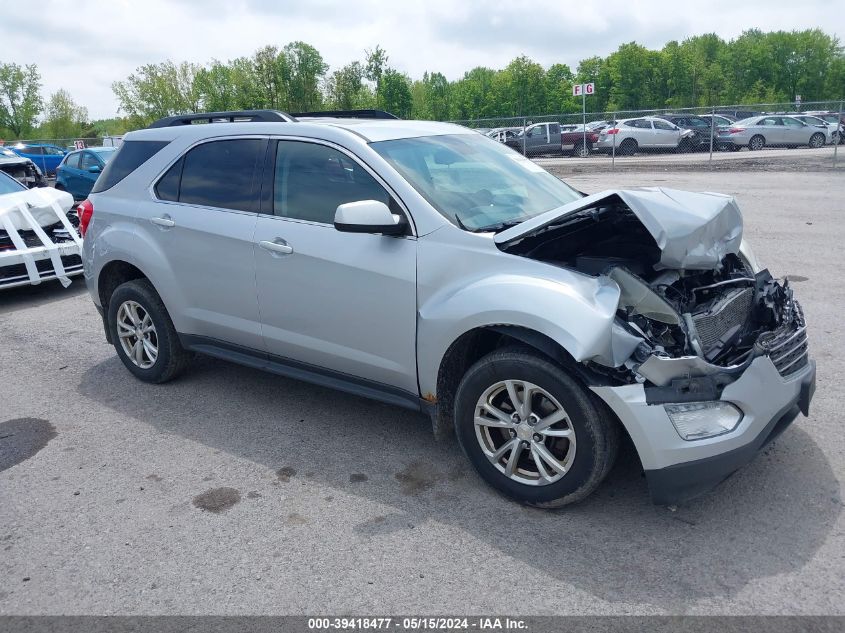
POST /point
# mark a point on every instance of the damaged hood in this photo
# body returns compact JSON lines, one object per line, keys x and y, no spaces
{"x":692,"y":230}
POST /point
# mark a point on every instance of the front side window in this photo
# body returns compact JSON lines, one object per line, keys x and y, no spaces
{"x":662,"y":125}
{"x":72,"y":161}
{"x":474,"y":182}
{"x":220,"y":174}
{"x":312,"y":180}
{"x":88,"y":161}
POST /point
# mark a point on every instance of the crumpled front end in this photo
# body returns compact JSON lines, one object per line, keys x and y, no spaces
{"x":722,"y":362}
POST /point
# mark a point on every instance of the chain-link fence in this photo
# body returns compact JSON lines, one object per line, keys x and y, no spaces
{"x":732,"y":134}
{"x":48,"y":153}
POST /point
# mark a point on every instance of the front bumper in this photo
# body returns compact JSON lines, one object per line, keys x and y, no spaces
{"x":677,"y":469}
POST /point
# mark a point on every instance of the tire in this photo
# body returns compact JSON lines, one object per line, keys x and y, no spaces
{"x":582,"y":151}
{"x":684,"y":147}
{"x":137,"y":303}
{"x":628,"y":147}
{"x":817,"y":140}
{"x":585,"y":456}
{"x":756,"y":143}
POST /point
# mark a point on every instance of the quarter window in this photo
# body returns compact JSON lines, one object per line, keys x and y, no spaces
{"x":311,"y":180}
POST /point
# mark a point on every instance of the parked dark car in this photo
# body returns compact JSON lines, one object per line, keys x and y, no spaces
{"x":79,"y":170}
{"x":700,"y":139}
{"x":539,"y":138}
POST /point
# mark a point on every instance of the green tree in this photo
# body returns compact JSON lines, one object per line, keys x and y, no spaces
{"x":158,"y":90}
{"x":394,"y":93}
{"x":520,"y":88}
{"x":472,"y":95}
{"x":345,"y":88}
{"x":306,"y":72}
{"x":63,"y":118}
{"x":20,"y":98}
{"x":271,"y":74}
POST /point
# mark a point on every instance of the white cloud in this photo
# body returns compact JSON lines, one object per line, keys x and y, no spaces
{"x":85,"y":45}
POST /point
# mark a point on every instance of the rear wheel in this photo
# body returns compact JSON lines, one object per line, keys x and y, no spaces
{"x":817,"y":140}
{"x":143,"y":334}
{"x":756,"y":143}
{"x":531,"y":431}
{"x":582,"y":150}
{"x":628,"y":147}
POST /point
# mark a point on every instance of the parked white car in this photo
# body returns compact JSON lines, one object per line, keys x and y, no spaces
{"x":630,"y":135}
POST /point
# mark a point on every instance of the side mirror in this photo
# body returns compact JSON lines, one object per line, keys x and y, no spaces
{"x":95,"y":169}
{"x":367,"y":216}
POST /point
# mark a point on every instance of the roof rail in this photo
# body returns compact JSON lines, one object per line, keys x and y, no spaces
{"x":348,"y":114}
{"x":262,"y":116}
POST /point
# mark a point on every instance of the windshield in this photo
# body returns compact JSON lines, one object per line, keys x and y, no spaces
{"x":475,"y":182}
{"x":104,"y":153}
{"x":9,"y":184}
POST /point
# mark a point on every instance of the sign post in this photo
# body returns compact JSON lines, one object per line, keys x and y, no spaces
{"x":583,"y":90}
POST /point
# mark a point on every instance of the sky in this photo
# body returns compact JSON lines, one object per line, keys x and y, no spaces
{"x":85,"y":45}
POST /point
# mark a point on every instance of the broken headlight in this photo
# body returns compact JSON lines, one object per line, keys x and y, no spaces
{"x":698,"y":420}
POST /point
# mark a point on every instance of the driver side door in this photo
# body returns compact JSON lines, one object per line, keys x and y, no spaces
{"x":342,"y":305}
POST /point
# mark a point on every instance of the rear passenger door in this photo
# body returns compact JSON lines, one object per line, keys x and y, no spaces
{"x":342,"y":302}
{"x":202,"y":222}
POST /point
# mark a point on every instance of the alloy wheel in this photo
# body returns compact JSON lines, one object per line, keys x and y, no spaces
{"x":137,"y":334}
{"x":525,"y":432}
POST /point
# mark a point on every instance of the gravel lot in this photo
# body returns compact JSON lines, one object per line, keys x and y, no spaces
{"x":238,"y":492}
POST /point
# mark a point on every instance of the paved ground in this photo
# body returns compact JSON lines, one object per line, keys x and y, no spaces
{"x":233,"y":491}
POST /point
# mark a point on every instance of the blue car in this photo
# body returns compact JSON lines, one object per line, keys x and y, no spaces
{"x":46,"y":156}
{"x":79,"y":170}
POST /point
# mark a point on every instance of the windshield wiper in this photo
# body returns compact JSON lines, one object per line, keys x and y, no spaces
{"x":498,"y":226}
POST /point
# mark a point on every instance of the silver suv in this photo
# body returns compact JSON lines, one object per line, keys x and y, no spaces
{"x":427,"y":266}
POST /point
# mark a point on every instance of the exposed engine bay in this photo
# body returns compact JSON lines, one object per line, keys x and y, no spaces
{"x":685,"y":289}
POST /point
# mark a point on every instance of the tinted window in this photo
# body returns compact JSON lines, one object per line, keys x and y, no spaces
{"x":72,"y":161}
{"x":220,"y":174}
{"x":312,"y":180}
{"x":167,"y":187}
{"x":88,"y":160}
{"x":662,"y":125}
{"x":130,"y":156}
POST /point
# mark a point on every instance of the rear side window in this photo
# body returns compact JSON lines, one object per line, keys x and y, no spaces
{"x":72,"y":161}
{"x":130,"y":156}
{"x":220,"y":174}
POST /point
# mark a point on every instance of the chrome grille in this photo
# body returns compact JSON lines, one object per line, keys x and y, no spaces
{"x":729,"y":312}
{"x":788,"y":347}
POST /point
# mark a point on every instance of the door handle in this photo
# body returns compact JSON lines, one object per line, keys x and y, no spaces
{"x":277,"y":246}
{"x":165,"y":221}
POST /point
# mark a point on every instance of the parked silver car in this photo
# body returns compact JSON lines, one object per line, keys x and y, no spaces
{"x":771,"y":130}
{"x":424,"y":265}
{"x":629,"y":136}
{"x":831,"y":130}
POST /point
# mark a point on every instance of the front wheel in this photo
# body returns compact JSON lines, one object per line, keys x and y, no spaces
{"x":817,"y":140}
{"x":531,"y":431}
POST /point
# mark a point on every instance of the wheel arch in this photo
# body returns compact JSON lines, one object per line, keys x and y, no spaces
{"x":476,"y":343}
{"x":112,"y":275}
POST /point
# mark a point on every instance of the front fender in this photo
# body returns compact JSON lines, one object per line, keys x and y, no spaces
{"x":574,"y":310}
